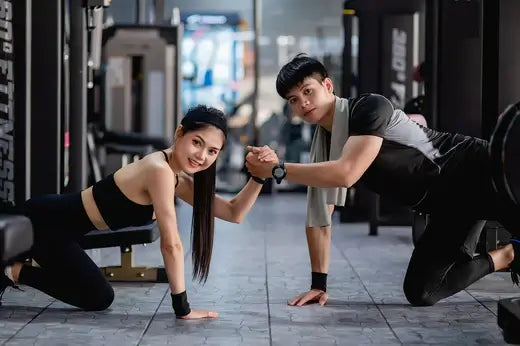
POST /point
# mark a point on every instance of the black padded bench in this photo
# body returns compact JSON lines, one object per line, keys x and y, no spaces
{"x":16,"y":236}
{"x":508,"y":317}
{"x":128,"y":146}
{"x":125,"y":238}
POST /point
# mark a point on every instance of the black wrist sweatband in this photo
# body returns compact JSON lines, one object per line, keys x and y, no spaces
{"x":180,"y":304}
{"x":258,"y":180}
{"x":319,"y":281}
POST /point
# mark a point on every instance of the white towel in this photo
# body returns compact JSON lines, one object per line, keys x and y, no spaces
{"x":318,"y":199}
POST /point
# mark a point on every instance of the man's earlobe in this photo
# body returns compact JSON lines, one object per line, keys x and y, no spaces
{"x":329,"y":84}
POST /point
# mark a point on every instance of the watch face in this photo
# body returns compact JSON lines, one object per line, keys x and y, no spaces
{"x":278,"y":172}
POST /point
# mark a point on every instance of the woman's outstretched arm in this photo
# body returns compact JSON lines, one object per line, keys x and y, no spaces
{"x":233,"y":210}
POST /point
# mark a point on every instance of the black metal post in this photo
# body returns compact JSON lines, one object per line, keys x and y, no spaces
{"x":257,"y":7}
{"x":46,"y":133}
{"x":490,"y":57}
{"x":431,"y":82}
{"x":78,"y":97}
{"x":346,"y":81}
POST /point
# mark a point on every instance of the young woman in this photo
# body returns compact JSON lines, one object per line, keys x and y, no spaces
{"x":134,"y":195}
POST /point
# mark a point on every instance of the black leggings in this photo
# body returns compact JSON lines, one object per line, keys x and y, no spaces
{"x":442,"y":262}
{"x":66,"y":272}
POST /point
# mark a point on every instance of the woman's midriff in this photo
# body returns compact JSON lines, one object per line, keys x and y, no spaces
{"x":92,"y":210}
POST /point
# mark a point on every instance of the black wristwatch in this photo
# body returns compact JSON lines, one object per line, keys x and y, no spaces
{"x":279,"y":172}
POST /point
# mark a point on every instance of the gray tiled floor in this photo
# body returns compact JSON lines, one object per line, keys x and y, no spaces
{"x":257,"y":266}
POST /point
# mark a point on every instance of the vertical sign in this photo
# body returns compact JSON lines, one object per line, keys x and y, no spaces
{"x":6,"y":102}
{"x":400,"y":54}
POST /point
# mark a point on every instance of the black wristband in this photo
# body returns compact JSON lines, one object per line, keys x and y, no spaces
{"x":180,"y":304}
{"x":258,"y":180}
{"x":319,"y":281}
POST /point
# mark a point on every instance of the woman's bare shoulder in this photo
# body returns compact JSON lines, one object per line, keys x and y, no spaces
{"x":155,"y":167}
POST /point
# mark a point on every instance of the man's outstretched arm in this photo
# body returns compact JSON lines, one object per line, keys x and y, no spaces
{"x":318,"y":240}
{"x":357,"y":155}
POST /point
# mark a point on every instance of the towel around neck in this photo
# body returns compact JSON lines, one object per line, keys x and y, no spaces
{"x":318,"y":199}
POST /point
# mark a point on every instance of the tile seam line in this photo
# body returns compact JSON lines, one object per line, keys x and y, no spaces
{"x":267,"y":291}
{"x":157,"y":309}
{"x":366,"y":289}
{"x":25,"y":325}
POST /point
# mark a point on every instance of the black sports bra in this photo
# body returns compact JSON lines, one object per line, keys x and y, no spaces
{"x":117,"y":210}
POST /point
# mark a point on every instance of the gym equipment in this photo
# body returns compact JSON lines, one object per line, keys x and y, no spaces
{"x":386,"y":34}
{"x":493,"y":236}
{"x":49,"y":106}
{"x":129,"y":146}
{"x":142,"y":79}
{"x":509,"y":319}
{"x":58,"y":95}
{"x":16,"y":236}
{"x":125,"y":238}
{"x":49,"y":98}
{"x":471,"y":63}
{"x":141,"y":83}
{"x":134,"y":146}
{"x":85,"y":27}
{"x":505,"y":151}
{"x":395,"y":46}
{"x":505,"y":154}
{"x":15,"y":101}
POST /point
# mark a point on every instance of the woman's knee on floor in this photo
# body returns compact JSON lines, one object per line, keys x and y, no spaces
{"x":99,"y":299}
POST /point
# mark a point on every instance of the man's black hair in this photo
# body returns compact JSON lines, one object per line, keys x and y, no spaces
{"x":296,"y":70}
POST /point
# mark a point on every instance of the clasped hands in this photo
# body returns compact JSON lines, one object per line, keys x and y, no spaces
{"x":260,"y":161}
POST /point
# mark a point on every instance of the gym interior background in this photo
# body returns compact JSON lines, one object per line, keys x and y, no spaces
{"x":89,"y":85}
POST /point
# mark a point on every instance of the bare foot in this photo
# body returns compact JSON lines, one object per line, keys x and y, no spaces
{"x":502,"y":257}
{"x":15,"y":270}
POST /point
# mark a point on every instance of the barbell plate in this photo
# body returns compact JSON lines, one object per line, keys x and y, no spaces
{"x":496,"y":150}
{"x":511,"y":158}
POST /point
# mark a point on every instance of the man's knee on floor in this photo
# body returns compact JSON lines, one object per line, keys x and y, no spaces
{"x":100,"y":300}
{"x":418,"y":296}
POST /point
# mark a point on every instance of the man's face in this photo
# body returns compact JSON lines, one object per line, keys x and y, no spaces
{"x":310,"y":99}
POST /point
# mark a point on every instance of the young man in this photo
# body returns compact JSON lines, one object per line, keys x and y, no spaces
{"x":365,"y":139}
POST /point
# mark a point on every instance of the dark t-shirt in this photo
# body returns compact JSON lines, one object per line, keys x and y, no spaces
{"x":412,"y":158}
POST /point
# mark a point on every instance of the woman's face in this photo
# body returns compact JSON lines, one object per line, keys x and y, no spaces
{"x":198,"y":149}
